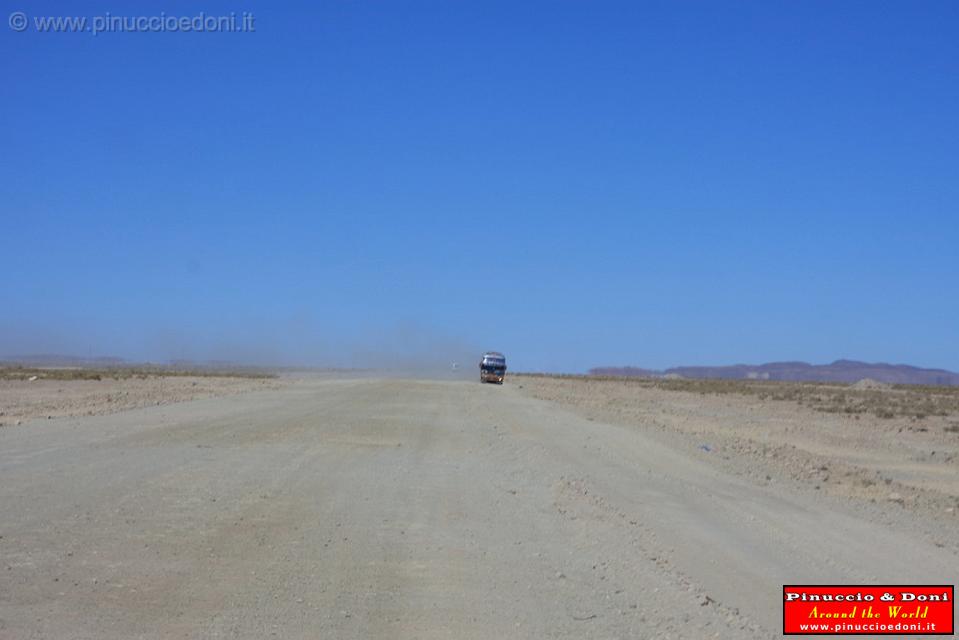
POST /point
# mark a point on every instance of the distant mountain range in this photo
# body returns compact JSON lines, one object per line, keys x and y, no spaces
{"x":838,"y":371}
{"x":61,"y":360}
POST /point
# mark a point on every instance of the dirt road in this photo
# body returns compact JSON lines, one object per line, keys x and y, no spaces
{"x":406,"y":509}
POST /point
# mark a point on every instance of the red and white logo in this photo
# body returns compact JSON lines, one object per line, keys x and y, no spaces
{"x":873,"y":610}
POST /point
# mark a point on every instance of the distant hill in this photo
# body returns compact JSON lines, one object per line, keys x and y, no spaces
{"x":838,"y":371}
{"x":60,"y":360}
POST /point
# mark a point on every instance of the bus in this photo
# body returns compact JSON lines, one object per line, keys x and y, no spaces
{"x":493,"y":367}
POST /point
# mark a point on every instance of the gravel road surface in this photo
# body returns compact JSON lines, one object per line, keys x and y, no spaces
{"x":371,"y":508}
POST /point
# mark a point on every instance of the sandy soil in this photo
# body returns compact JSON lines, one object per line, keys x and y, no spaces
{"x":419,"y":509}
{"x":911,"y":463}
{"x":23,"y":400}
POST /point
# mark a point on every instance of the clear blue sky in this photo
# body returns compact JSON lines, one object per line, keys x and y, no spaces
{"x":571,"y":183}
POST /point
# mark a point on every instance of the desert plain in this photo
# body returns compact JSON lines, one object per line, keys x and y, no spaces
{"x":363,"y":506}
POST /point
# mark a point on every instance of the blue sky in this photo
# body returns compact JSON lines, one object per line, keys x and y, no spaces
{"x":574,"y":184}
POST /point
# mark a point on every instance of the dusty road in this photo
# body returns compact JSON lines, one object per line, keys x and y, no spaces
{"x":406,"y":509}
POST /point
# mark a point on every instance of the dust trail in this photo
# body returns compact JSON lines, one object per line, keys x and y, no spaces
{"x":410,"y":349}
{"x":416,"y":351}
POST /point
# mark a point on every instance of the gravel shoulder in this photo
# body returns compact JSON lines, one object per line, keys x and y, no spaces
{"x":900,"y":470}
{"x":371,"y":508}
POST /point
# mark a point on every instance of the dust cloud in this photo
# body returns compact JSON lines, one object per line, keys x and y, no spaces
{"x":403,"y":349}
